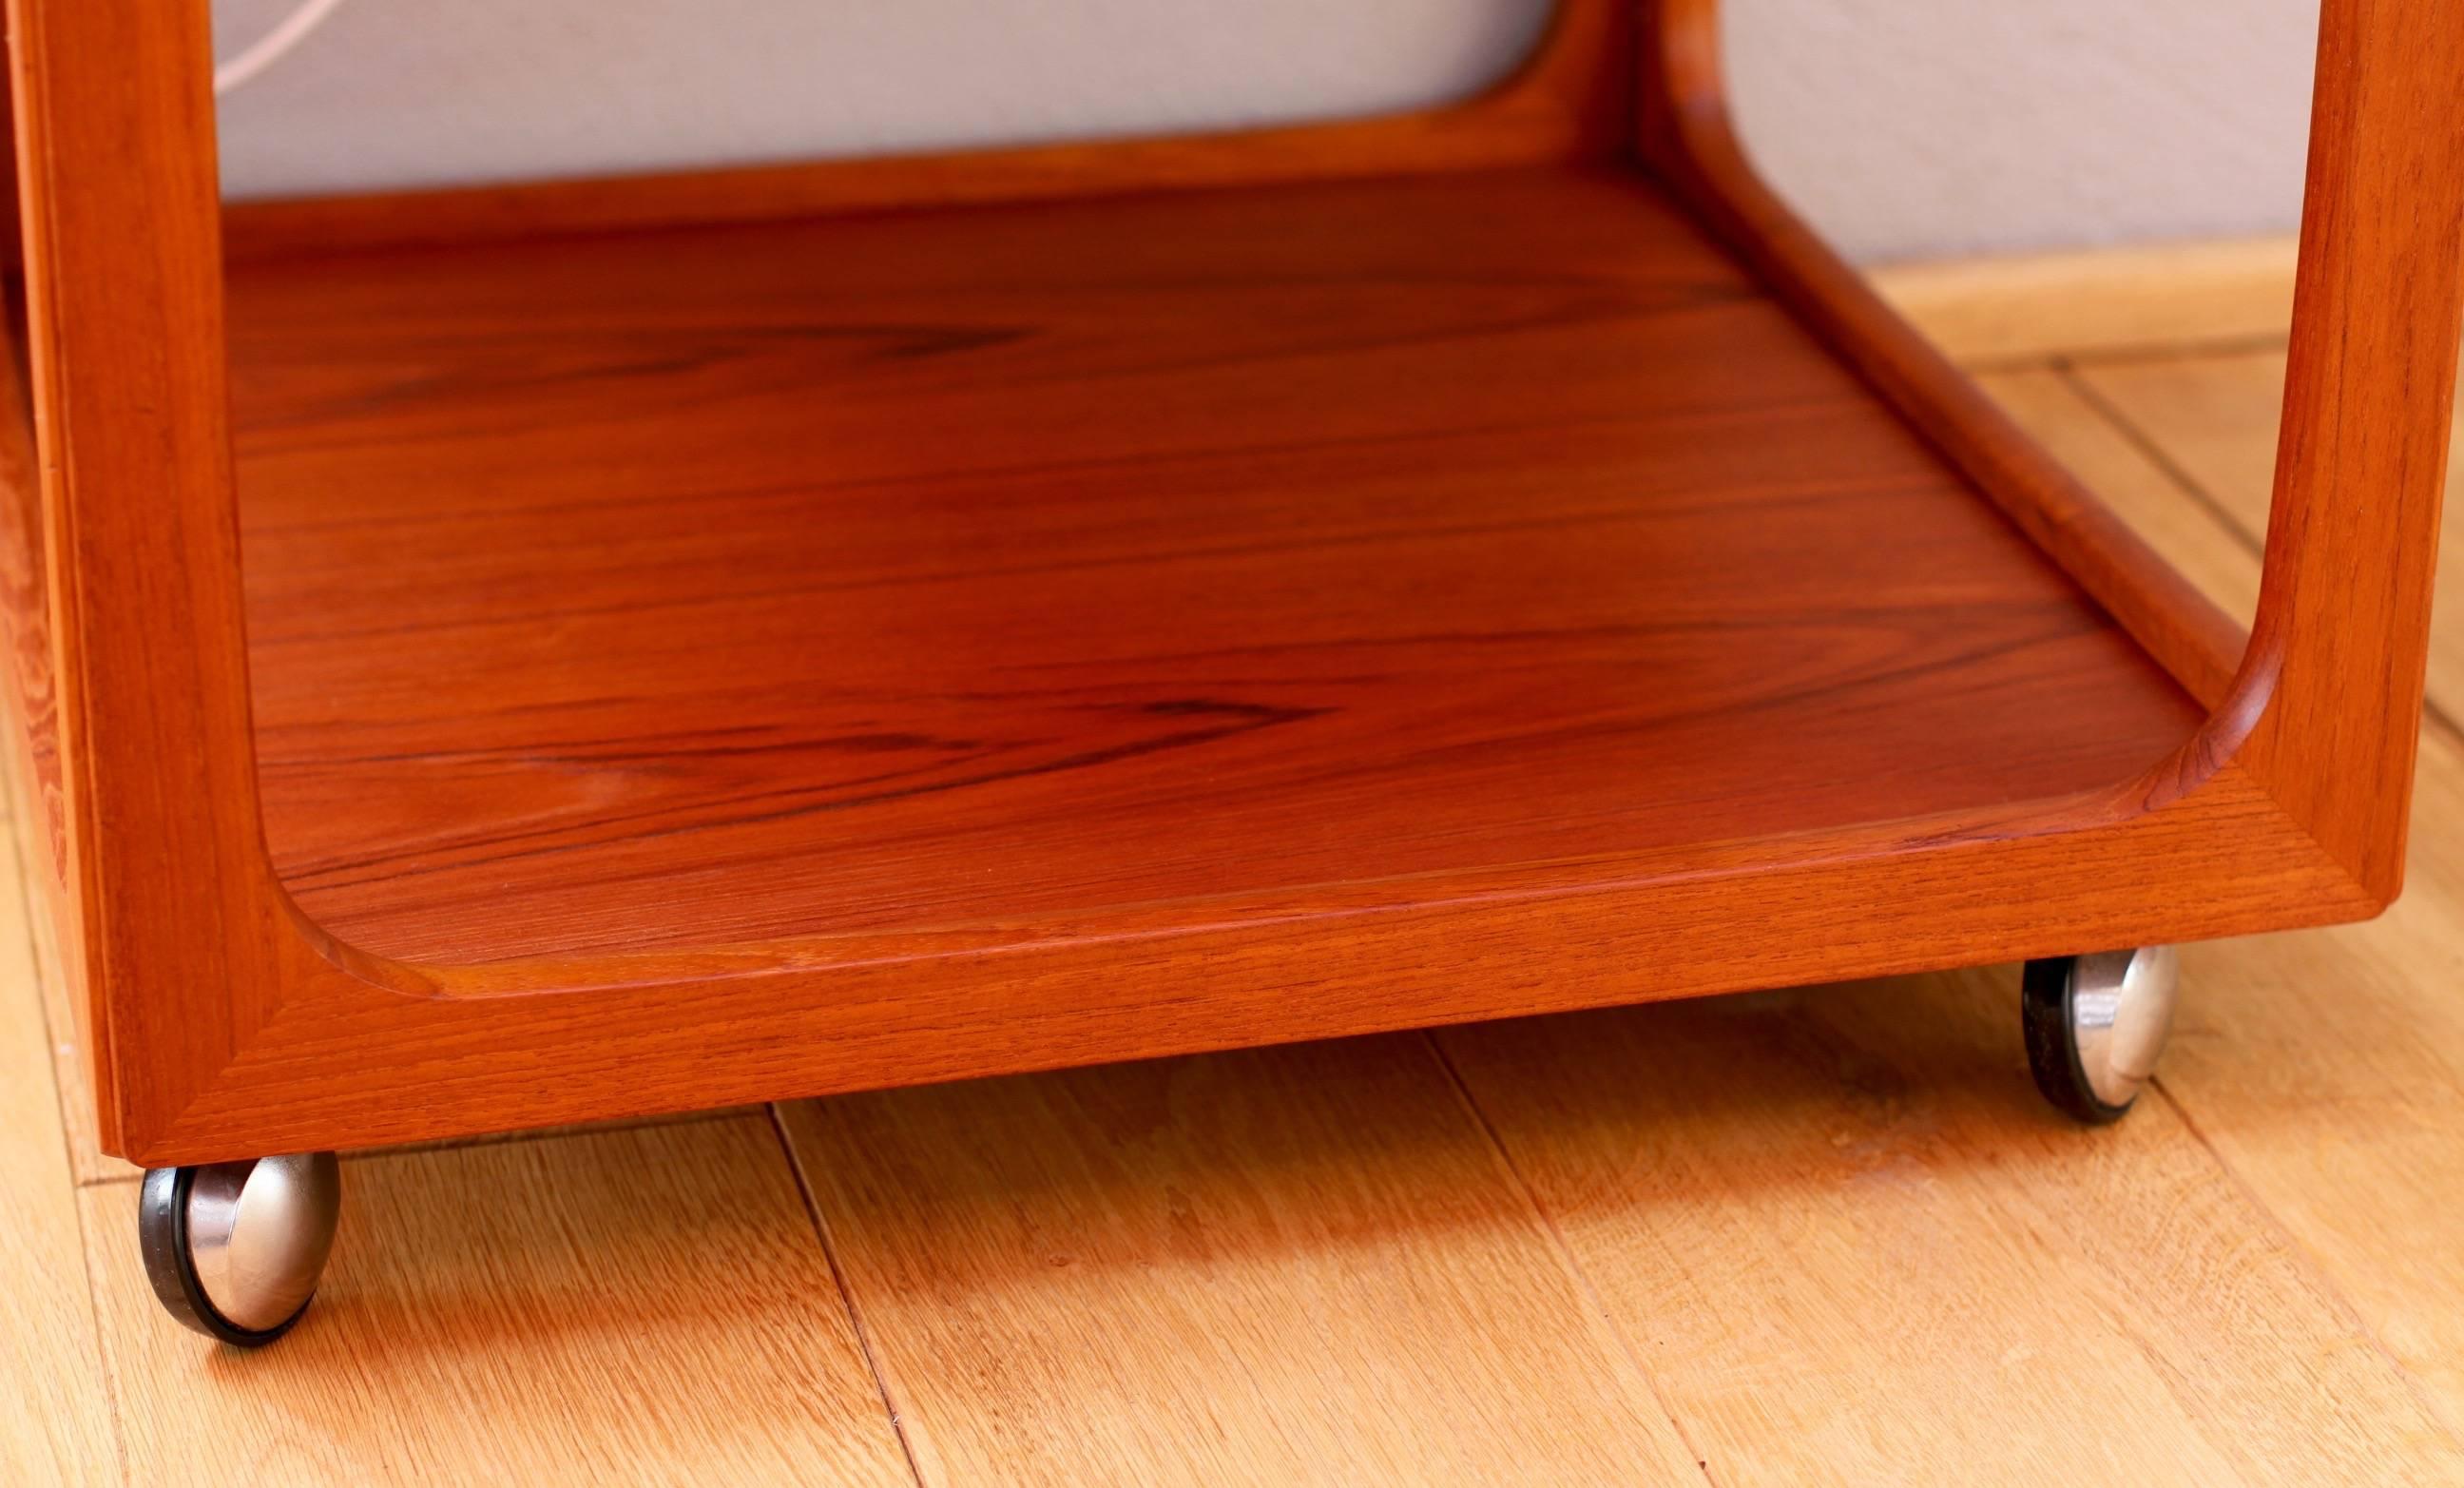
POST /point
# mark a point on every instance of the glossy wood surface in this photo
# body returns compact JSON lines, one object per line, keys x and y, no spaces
{"x":229,"y":1021}
{"x":2340,"y":641}
{"x":1988,"y":313}
{"x":2302,"y":1172}
{"x":631,"y":593}
{"x":160,"y":877}
{"x":1684,"y":132}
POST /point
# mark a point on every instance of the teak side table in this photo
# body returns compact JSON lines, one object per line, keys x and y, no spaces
{"x":751,"y":633}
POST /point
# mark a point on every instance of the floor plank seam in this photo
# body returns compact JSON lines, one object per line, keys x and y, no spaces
{"x":847,"y":1293}
{"x":2434,"y":715}
{"x":2155,"y":454}
{"x":102,"y":1340}
{"x":2311,"y":1265}
{"x":2131,"y":353}
{"x":1565,"y":1250}
{"x":2432,"y":718}
{"x":49,"y":1062}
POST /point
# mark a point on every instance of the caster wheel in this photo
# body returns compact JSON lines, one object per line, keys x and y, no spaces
{"x":2095,"y":1025}
{"x":234,"y":1249}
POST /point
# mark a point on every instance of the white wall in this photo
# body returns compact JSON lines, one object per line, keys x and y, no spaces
{"x":1915,"y":127}
{"x":1905,"y":128}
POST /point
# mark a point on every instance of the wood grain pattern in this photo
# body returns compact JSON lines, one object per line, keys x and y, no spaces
{"x":541,"y":670}
{"x":31,"y":761}
{"x":1684,"y":133}
{"x":1990,"y":312}
{"x":2316,"y":1074}
{"x":866,"y":1010}
{"x":641,"y":1306}
{"x":72,"y":1051}
{"x":2326,"y":1069}
{"x":55,"y":1409}
{"x":127,"y":374}
{"x":229,"y":1021}
{"x":2325,"y":705}
{"x":2217,"y":418}
{"x":1276,"y":1267}
{"x":2341,"y":636}
{"x":1847,"y":1238}
{"x":1892,"y":1123}
{"x":2172,"y":515}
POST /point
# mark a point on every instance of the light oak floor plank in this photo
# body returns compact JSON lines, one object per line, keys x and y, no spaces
{"x":55,"y":1402}
{"x":2325,"y":1068}
{"x":1856,"y":1248}
{"x":1300,"y":1265}
{"x":2327,"y":1071}
{"x":2173,"y":517}
{"x":2210,"y":416}
{"x":646,"y":1305}
{"x":2214,"y":419}
{"x":2022,"y":307}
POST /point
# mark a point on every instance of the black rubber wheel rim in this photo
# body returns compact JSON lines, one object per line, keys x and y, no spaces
{"x":2045,"y":1020}
{"x":163,"y":1240}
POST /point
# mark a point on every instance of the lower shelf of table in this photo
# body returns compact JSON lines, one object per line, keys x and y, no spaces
{"x":1020,"y":564}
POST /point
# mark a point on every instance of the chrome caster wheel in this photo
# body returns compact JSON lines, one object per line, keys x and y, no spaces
{"x":234,"y":1249}
{"x":2095,"y":1025}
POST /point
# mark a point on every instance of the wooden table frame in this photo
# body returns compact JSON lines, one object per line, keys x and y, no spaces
{"x":222,"y":1022}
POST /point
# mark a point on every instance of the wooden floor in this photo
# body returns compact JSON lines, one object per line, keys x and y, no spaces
{"x":1822,"y":1236}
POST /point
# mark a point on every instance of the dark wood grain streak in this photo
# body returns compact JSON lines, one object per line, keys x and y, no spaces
{"x":923,"y":623}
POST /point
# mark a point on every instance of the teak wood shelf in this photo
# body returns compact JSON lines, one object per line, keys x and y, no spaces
{"x":499,"y":657}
